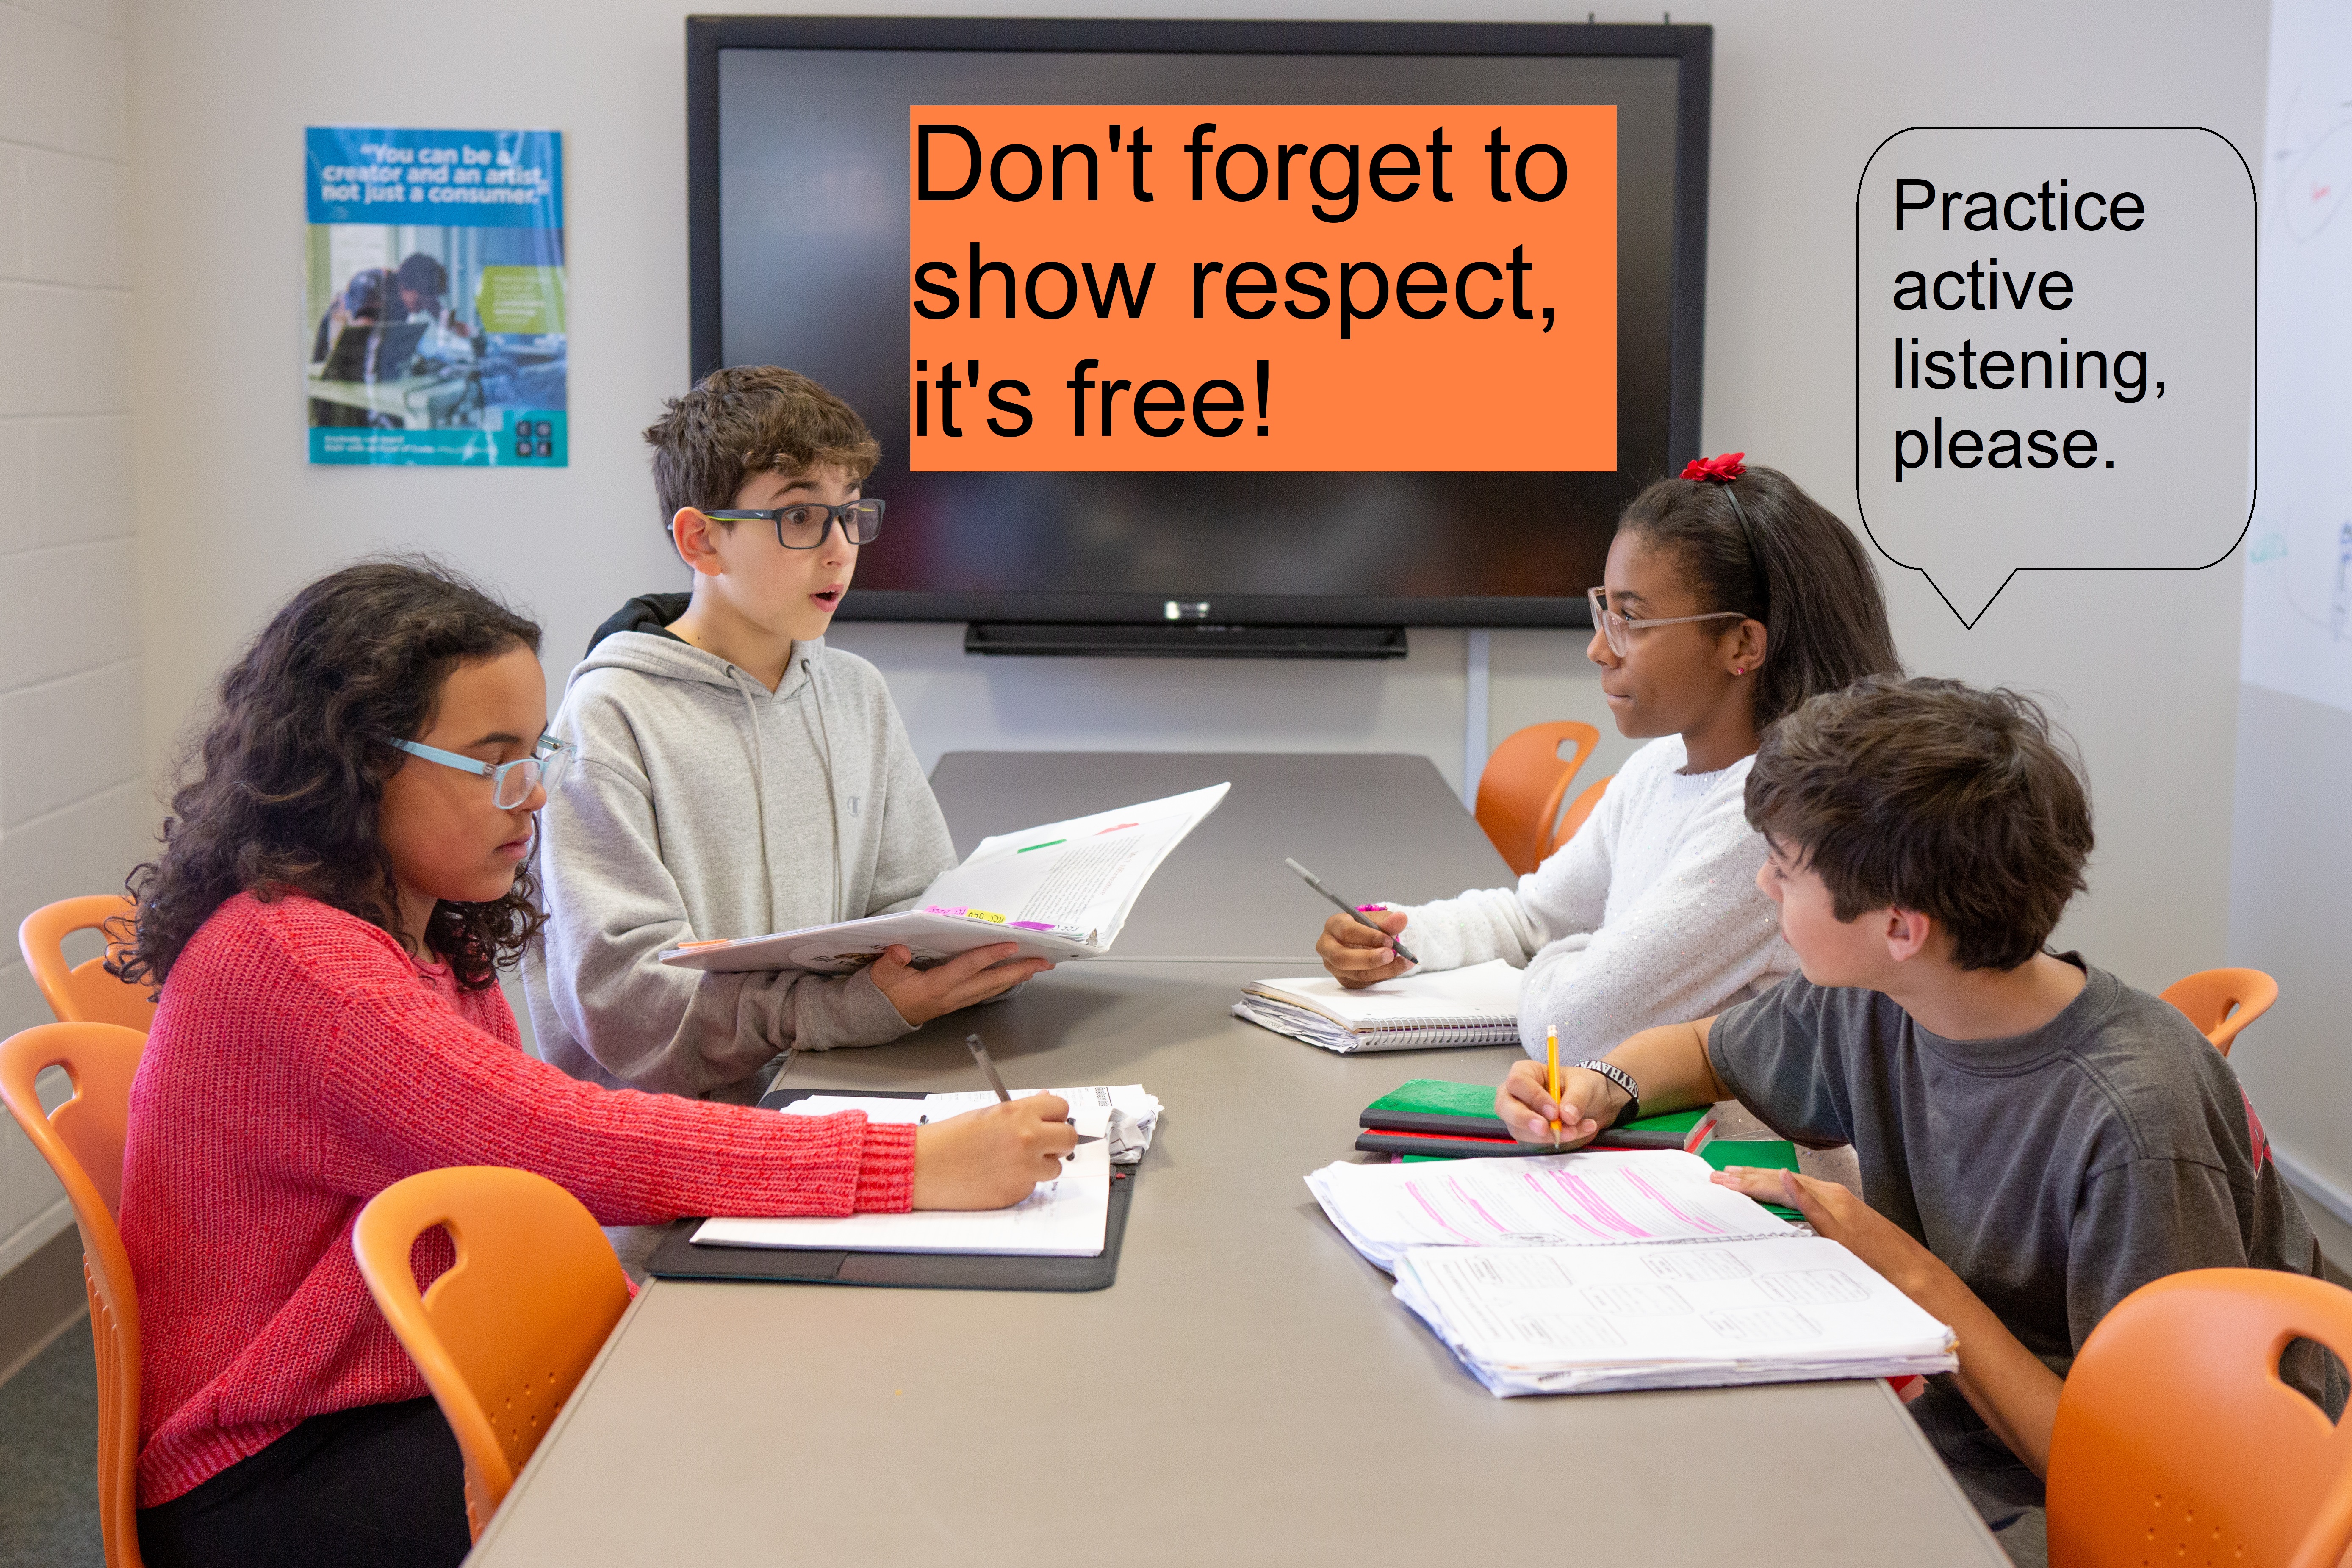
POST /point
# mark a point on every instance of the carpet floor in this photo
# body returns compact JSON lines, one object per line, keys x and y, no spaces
{"x":48,"y":1458}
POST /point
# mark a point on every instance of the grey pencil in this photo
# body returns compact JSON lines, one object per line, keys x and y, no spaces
{"x":1350,"y":910}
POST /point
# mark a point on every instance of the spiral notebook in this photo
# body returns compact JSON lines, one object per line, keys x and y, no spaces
{"x":1475,"y":1006}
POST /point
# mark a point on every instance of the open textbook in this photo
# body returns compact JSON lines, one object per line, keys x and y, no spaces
{"x":1061,"y":890}
{"x":1478,"y":1005}
{"x":1065,"y":1217}
{"x":1591,"y":1272}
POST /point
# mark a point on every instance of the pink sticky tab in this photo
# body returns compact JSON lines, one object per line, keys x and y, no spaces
{"x":1030,"y":925}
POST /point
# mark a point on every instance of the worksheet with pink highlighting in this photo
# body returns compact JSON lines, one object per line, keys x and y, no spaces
{"x":1601,"y":1197}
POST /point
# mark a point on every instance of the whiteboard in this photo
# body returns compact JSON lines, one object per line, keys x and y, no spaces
{"x":2298,"y":593}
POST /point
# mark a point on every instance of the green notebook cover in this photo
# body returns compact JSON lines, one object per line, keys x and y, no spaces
{"x":1436,"y":1097}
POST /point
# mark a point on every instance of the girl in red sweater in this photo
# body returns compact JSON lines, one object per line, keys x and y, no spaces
{"x":341,"y":875}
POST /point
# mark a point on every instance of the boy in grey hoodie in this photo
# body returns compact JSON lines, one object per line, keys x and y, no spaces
{"x":734,"y":776}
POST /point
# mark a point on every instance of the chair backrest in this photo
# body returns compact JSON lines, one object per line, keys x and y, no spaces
{"x":83,"y":992}
{"x":82,"y":1141}
{"x":503,"y":1336}
{"x":1578,"y":810}
{"x":2176,"y":1441}
{"x":2221,"y":1002}
{"x":1524,"y":782}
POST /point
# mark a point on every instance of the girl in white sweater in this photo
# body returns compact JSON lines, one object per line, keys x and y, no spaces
{"x":1730,"y":596}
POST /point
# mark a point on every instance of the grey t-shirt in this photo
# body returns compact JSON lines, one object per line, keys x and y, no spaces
{"x":2056,"y":1172}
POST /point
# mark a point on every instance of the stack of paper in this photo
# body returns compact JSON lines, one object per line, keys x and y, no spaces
{"x":1583,"y":1272}
{"x":1475,"y":1006}
{"x":1585,"y":1320}
{"x":1603,"y":1196}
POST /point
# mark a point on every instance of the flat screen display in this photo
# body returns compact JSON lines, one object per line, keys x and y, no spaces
{"x":1422,"y":306}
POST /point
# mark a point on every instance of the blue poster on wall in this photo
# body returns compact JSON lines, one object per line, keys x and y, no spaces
{"x":433,"y":311}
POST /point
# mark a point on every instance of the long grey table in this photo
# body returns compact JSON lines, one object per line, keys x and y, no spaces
{"x":1248,"y":1392}
{"x":1374,"y":826}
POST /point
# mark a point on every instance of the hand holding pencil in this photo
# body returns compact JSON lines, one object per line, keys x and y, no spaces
{"x":1584,"y":1104}
{"x":1359,"y":945}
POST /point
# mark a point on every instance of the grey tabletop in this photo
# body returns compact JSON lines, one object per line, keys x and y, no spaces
{"x":1247,"y":1392}
{"x":1375,"y":826}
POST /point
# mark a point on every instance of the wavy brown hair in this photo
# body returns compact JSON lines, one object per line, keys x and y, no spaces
{"x":281,"y":793}
{"x":751,"y":419}
{"x":1966,"y":805}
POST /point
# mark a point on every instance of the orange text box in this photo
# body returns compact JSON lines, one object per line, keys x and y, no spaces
{"x":1263,"y":287}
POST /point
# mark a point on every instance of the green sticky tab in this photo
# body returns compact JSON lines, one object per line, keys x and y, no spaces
{"x":527,"y":299}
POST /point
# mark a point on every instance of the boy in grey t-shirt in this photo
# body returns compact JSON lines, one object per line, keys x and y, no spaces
{"x":2036,"y":1139}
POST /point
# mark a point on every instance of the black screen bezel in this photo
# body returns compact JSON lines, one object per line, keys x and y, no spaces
{"x":1690,"y":47}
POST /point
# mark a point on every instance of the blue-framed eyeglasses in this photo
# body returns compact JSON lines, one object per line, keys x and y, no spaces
{"x":510,"y":783}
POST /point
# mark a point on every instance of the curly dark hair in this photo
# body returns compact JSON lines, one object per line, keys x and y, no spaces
{"x":1926,"y":794}
{"x":281,"y":793}
{"x":1777,"y":556}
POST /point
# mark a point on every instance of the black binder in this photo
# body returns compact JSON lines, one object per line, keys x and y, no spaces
{"x":678,"y":1259}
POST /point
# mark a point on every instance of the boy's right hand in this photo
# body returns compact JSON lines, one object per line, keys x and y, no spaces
{"x":923,"y":995}
{"x":1357,"y":955}
{"x":989,"y":1158}
{"x":1588,"y":1102}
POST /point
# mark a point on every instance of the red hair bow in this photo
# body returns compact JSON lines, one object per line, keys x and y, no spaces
{"x":1722,"y":469}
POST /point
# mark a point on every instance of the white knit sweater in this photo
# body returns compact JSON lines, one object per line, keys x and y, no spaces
{"x":1650,"y":915}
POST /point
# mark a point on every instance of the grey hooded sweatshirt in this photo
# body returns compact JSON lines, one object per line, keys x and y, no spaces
{"x":701,"y":805}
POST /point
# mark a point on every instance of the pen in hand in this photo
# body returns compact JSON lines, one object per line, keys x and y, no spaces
{"x":980,"y":1054}
{"x":1350,"y":910}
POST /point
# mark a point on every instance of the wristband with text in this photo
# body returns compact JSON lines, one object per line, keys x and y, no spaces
{"x":1623,"y":1080}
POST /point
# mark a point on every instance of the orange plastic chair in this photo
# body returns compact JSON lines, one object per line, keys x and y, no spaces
{"x":82,"y":992}
{"x":2221,"y":1002}
{"x":1522,"y":784}
{"x":503,"y":1336}
{"x":2176,"y":1442}
{"x":1578,"y":810}
{"x":82,"y":1141}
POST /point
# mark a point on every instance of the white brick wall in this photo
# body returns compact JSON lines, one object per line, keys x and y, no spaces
{"x":75,"y":808}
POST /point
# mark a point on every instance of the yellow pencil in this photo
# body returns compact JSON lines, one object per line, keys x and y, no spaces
{"x":1551,"y":1057}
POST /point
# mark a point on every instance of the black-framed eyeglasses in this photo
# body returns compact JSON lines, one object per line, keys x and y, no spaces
{"x":803,"y":524}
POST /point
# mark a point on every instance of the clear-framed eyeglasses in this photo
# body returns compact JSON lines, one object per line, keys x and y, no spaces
{"x":803,"y":524}
{"x":510,"y":783}
{"x":1619,"y":630}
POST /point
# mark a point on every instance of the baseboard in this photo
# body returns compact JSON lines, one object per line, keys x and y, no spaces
{"x":40,"y":1298}
{"x":2328,"y":1209}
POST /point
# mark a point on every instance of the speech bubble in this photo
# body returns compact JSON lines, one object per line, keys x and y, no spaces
{"x":1262,"y":288}
{"x":2053,"y":351}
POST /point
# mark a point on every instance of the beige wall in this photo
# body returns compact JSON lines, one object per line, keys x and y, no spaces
{"x":73,"y":803}
{"x":2142,"y":665}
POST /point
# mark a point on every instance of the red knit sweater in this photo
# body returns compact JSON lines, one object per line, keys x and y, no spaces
{"x":301,"y":1063}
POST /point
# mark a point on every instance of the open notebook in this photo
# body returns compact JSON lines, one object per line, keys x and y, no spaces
{"x":1065,"y":1217}
{"x":1062,"y":890}
{"x":1478,"y":1005}
{"x":1585,"y":1272}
